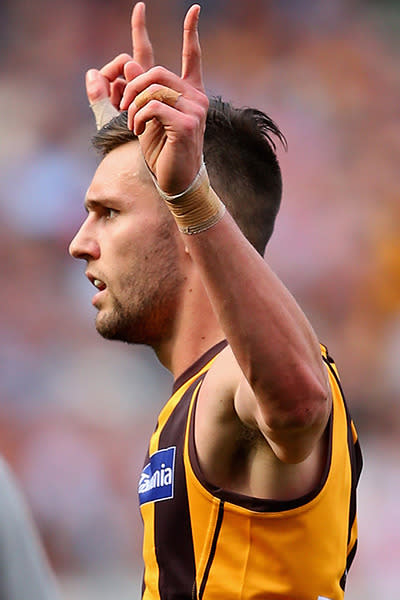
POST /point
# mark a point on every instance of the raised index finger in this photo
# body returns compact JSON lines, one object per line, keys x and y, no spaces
{"x":191,"y":51}
{"x":142,"y":48}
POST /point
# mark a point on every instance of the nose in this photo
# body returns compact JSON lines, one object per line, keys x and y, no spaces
{"x":84,"y":245}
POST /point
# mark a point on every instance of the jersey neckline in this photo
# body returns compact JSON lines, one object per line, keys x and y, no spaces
{"x":198,"y":364}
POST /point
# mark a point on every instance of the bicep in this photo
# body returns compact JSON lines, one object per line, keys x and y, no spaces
{"x":293,"y":439}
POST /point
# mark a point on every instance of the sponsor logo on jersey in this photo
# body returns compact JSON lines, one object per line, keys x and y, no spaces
{"x":157,"y":478}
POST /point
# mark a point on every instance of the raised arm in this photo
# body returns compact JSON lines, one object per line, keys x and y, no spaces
{"x":283,"y":389}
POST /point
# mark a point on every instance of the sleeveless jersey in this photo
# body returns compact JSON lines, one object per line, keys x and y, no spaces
{"x":205,"y":543}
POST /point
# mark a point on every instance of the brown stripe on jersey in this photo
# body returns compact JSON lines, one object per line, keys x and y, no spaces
{"x":356,"y":462}
{"x":350,"y":559}
{"x":198,"y":365}
{"x":213,"y":549}
{"x":173,"y":535}
{"x":354,"y":452}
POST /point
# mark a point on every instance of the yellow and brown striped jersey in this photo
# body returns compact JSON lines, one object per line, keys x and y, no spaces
{"x":206,"y":543}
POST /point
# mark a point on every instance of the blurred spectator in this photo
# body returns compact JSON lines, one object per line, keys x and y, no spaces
{"x":24,"y":572}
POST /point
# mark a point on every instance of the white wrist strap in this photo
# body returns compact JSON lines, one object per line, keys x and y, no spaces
{"x":103,"y":112}
{"x":197,"y":208}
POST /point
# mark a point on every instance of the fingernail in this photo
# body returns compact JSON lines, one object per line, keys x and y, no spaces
{"x":91,"y":75}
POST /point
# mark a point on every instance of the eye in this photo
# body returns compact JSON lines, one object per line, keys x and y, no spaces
{"x":110,"y":213}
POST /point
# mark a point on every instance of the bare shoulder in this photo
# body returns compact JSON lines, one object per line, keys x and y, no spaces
{"x":233,"y":454}
{"x":220,"y":385}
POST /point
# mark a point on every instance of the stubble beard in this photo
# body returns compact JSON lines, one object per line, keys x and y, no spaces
{"x":144,"y":312}
{"x":134,"y":325}
{"x":115,"y":324}
{"x":146,"y":315}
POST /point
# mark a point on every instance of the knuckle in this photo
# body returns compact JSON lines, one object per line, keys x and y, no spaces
{"x":123,"y":57}
{"x":203,"y":101}
{"x":130,"y":88}
{"x":158,"y":71}
{"x":189,"y":125}
{"x":96,"y":94}
{"x":131,"y":112}
{"x":153,"y":87}
{"x":201,"y":109}
{"x":200,"y":114}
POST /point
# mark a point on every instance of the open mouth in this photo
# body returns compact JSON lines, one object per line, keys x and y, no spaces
{"x":100,"y":285}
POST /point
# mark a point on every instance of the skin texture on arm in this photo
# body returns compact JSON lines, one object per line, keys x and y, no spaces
{"x":284,"y":392}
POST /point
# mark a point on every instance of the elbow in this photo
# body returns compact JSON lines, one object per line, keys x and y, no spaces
{"x":297,"y":423}
{"x":299,"y":399}
{"x":308,"y":408}
{"x":311,"y":407}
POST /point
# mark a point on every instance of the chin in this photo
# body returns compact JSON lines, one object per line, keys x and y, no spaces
{"x":107,"y":326}
{"x":112,"y":326}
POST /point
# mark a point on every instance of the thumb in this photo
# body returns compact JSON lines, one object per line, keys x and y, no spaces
{"x":97,"y":86}
{"x":98,"y":91}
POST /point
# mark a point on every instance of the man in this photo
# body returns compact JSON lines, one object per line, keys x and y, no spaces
{"x":248,"y":488}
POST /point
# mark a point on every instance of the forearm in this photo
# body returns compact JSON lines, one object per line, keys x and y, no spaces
{"x":270,"y":336}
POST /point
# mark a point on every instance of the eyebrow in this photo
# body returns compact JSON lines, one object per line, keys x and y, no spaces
{"x":90,"y":204}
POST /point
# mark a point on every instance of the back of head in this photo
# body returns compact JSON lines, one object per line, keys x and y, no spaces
{"x":241,"y":161}
{"x":240,"y":157}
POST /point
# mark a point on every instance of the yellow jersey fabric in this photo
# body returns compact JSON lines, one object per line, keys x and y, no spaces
{"x":205,"y":543}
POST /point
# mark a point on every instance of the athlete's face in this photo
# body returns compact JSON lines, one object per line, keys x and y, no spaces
{"x":131,"y":247}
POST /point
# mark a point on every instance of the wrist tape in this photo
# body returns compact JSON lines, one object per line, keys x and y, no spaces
{"x":103,"y":111}
{"x":198,"y":207}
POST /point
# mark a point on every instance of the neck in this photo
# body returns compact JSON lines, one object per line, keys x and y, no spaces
{"x":195,"y":330}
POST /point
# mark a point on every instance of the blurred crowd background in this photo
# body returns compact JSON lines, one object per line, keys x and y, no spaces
{"x":76,"y":411}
